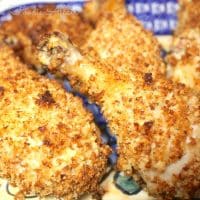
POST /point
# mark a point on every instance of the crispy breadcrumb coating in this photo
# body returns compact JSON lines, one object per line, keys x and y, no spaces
{"x":184,"y":59}
{"x":157,"y":122}
{"x":25,"y":28}
{"x":49,"y":144}
{"x":189,"y":15}
{"x":119,"y":39}
{"x":93,"y":10}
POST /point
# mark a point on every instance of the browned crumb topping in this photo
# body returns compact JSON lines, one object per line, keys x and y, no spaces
{"x":189,"y":15}
{"x":157,"y":125}
{"x":1,"y":91}
{"x":45,"y":99}
{"x":122,"y":42}
{"x":56,"y":151}
{"x":184,"y":58}
{"x":148,"y":79}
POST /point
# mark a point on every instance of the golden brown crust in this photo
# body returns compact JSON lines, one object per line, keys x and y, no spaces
{"x":121,"y":41}
{"x":49,"y":144}
{"x":189,"y":15}
{"x":157,"y":122}
{"x":184,"y":59}
{"x":93,"y":10}
{"x":24,"y":30}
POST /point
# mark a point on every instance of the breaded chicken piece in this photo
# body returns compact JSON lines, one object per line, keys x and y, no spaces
{"x":49,"y":144}
{"x":157,"y":123}
{"x":120,"y":39}
{"x":24,"y":30}
{"x":184,"y":59}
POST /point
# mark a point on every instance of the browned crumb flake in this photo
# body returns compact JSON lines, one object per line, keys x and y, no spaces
{"x":45,"y":99}
{"x":148,"y":79}
{"x":1,"y":91}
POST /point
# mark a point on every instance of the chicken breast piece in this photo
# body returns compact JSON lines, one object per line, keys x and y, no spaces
{"x":157,"y":122}
{"x":24,"y":30}
{"x":120,"y":40}
{"x":184,"y":58}
{"x":49,"y":144}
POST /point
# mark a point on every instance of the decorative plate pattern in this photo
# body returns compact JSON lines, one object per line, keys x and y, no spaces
{"x":159,"y":16}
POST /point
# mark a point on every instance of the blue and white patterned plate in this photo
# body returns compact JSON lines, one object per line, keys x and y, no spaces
{"x":159,"y":16}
